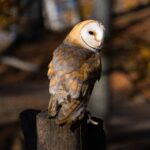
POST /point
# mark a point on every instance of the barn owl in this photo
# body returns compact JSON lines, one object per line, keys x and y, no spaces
{"x":73,"y":71}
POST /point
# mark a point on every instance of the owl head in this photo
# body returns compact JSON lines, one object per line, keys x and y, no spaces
{"x":87,"y":34}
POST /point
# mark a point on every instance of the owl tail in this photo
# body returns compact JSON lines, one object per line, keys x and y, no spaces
{"x":70,"y":112}
{"x":53,"y":106}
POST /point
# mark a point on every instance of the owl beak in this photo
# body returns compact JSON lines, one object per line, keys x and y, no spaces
{"x":99,"y":48}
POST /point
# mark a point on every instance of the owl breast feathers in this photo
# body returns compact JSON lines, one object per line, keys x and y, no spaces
{"x":72,"y":72}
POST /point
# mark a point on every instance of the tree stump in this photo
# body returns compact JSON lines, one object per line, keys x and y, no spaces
{"x":50,"y":136}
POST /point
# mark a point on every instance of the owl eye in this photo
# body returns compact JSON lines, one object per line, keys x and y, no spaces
{"x":91,"y":32}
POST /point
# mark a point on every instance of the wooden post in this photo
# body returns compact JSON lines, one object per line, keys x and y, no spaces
{"x":50,"y":136}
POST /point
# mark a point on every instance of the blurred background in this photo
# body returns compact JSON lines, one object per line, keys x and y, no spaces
{"x":31,"y":30}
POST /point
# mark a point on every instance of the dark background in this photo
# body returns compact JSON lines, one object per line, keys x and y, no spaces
{"x":31,"y":30}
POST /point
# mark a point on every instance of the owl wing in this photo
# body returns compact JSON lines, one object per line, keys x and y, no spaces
{"x":79,"y":84}
{"x":73,"y":71}
{"x":80,"y":81}
{"x":65,"y":60}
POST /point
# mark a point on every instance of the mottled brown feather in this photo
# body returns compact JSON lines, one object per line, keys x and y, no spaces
{"x":76,"y":79}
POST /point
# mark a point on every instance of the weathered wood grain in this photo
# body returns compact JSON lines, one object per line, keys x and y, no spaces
{"x":50,"y":136}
